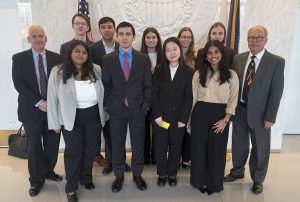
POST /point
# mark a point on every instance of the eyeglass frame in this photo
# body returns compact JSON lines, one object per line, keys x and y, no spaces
{"x":255,"y":38}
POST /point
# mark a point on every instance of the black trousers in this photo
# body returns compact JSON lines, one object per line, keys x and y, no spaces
{"x":118,"y":129}
{"x":208,"y":156}
{"x":43,"y":145}
{"x":168,"y":144}
{"x":149,"y":151}
{"x":81,"y":147}
{"x":186,"y":147}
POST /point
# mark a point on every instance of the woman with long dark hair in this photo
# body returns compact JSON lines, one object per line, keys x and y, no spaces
{"x":171,"y":107}
{"x":215,"y":94}
{"x":75,"y":105}
{"x":152,"y":46}
{"x":217,"y":32}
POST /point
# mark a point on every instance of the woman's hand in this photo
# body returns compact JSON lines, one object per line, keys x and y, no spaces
{"x":220,"y":126}
{"x":180,"y":124}
{"x":57,"y":131}
{"x":159,"y":121}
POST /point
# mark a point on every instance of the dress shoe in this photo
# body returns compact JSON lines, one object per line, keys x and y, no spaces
{"x":34,"y":190}
{"x":127,"y":168}
{"x":161,"y":181}
{"x":100,"y":160}
{"x":230,"y":177}
{"x":54,"y":177}
{"x":140,"y":183}
{"x":185,"y":165}
{"x":172,"y":181}
{"x":107,"y":170}
{"x":117,"y":184}
{"x":257,"y":187}
{"x":89,"y":185}
{"x":203,"y":189}
{"x":72,"y":196}
{"x":209,"y":192}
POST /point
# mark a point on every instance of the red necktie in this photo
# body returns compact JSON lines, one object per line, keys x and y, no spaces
{"x":249,"y":78}
{"x":126,"y":73}
{"x":43,"y":78}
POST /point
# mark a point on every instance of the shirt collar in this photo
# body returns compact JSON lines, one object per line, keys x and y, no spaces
{"x":129,"y":52}
{"x":36,"y":54}
{"x":104,"y":44}
{"x":174,"y":68}
{"x":259,"y":55}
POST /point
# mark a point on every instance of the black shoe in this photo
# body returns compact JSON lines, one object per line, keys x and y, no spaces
{"x":127,"y":168}
{"x":72,"y":196}
{"x":230,"y":177}
{"x":172,"y":181}
{"x":185,"y":165}
{"x":203,"y":190}
{"x":209,"y":192}
{"x":34,"y":190}
{"x":54,"y":177}
{"x":117,"y":184}
{"x":140,"y":183}
{"x":107,"y":170}
{"x":89,"y":185}
{"x":257,"y":187}
{"x":161,"y":181}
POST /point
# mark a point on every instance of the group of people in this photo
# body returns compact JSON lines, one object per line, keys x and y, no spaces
{"x":176,"y":103}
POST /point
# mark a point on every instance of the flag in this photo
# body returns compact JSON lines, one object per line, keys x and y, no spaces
{"x":83,"y":7}
{"x":233,"y":30}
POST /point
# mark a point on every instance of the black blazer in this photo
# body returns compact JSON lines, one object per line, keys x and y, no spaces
{"x":173,"y":99}
{"x":137,"y":88}
{"x":229,"y":54}
{"x":64,"y":47}
{"x":98,"y":51}
{"x":25,"y":82}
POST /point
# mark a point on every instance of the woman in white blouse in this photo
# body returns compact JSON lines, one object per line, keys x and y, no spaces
{"x":152,"y":46}
{"x":215,"y":94}
{"x":75,"y":105}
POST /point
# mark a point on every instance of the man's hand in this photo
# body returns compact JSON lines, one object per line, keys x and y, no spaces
{"x":159,"y":121}
{"x":268,"y":125}
{"x":43,"y":106}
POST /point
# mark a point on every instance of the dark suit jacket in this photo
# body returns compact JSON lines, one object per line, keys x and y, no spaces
{"x":64,"y":47}
{"x":266,"y":90}
{"x":98,"y":51}
{"x":137,"y":88}
{"x":229,"y":54}
{"x":173,"y":99}
{"x":25,"y":82}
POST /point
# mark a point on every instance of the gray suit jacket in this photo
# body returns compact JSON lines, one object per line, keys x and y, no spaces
{"x":266,"y":91}
{"x":62,"y":100}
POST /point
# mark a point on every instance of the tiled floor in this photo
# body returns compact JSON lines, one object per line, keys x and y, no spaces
{"x":282,"y":183}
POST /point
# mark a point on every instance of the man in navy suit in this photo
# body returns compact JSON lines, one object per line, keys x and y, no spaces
{"x":127,"y":81}
{"x":80,"y":26}
{"x":106,"y":45}
{"x":30,"y":72}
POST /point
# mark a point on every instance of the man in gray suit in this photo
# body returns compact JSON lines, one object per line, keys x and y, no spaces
{"x":261,"y":76}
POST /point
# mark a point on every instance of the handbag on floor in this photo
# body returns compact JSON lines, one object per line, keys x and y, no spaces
{"x":18,"y":145}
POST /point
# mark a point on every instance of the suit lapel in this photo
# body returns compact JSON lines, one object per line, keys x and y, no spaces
{"x":134,"y":65}
{"x":117,"y":66}
{"x":241,"y":67}
{"x":71,"y":84}
{"x":30,"y":69}
{"x":261,"y":67}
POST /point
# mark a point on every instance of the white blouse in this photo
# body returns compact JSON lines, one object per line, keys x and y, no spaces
{"x":86,"y":94}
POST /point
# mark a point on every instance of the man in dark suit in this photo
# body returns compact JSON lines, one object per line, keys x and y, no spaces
{"x":106,"y":45}
{"x":127,"y":81}
{"x":261,"y":76}
{"x":30,"y":72}
{"x":80,"y":26}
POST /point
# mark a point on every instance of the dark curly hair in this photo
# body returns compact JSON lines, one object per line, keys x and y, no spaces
{"x":205,"y":67}
{"x":68,"y":69}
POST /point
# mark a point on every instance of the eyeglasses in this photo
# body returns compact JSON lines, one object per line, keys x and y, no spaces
{"x":78,"y":24}
{"x":255,"y":38}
